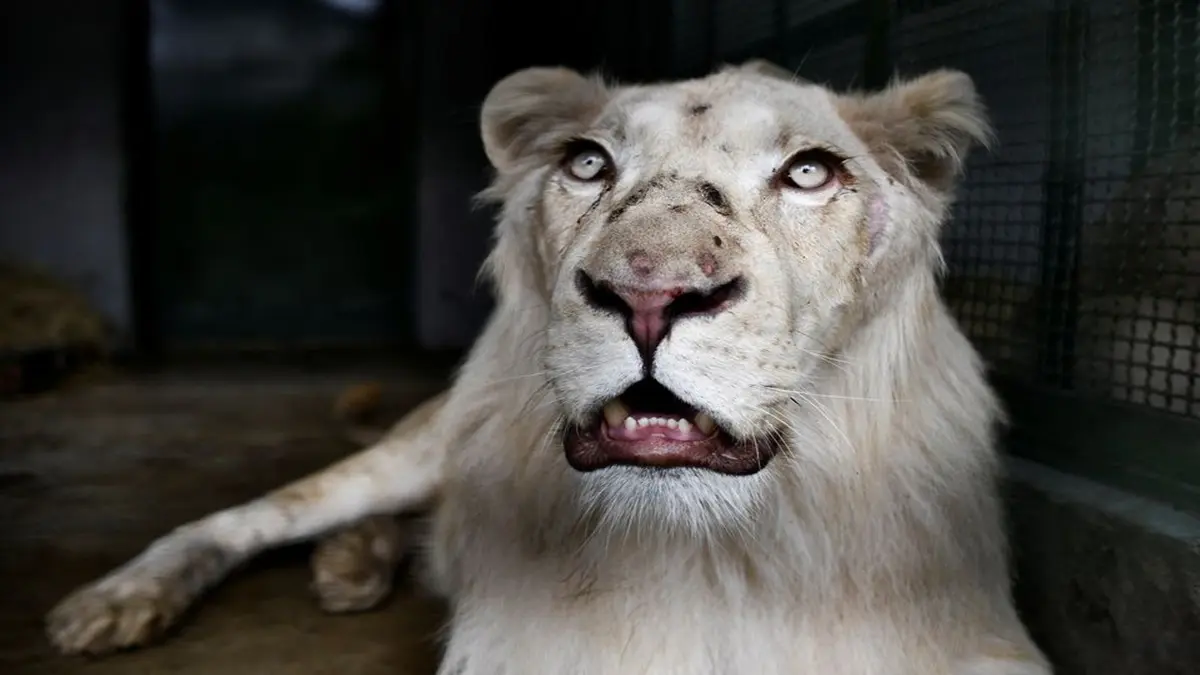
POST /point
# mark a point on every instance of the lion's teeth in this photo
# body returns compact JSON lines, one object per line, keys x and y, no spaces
{"x":615,"y":413}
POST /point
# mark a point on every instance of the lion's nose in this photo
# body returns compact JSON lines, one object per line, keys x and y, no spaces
{"x":650,"y":310}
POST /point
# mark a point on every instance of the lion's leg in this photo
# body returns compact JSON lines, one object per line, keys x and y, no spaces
{"x":138,"y":601}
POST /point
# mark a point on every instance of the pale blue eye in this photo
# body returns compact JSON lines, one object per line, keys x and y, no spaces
{"x":809,"y":174}
{"x":587,"y":165}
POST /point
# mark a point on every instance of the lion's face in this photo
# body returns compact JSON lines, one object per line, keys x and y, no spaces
{"x":705,"y":248}
{"x":713,"y":238}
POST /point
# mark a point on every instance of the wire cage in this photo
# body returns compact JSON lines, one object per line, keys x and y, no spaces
{"x":1074,"y":248}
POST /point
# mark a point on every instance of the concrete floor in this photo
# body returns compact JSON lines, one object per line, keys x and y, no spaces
{"x":90,"y":475}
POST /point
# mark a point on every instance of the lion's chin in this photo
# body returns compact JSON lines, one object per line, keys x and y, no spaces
{"x":648,"y":426}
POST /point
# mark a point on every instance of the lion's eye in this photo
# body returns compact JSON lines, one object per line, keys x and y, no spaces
{"x":808,"y":173}
{"x":588,"y":164}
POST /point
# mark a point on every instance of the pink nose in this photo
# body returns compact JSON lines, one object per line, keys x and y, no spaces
{"x":650,"y":310}
{"x":648,"y":314}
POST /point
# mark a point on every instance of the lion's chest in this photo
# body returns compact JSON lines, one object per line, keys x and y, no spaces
{"x":595,"y":640}
{"x":519,"y":616}
{"x":682,"y":638}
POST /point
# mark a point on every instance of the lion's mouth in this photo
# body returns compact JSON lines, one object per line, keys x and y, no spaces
{"x":649,"y":426}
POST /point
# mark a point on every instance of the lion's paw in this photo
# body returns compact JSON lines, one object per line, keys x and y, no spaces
{"x":353,"y":568}
{"x":115,"y":614}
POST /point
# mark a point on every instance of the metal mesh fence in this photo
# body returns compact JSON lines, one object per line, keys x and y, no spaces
{"x":1139,"y":247}
{"x":1074,"y":250}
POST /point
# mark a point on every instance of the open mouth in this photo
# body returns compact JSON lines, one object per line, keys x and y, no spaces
{"x":649,"y":426}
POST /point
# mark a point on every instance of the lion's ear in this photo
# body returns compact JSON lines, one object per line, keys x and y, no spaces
{"x":930,"y":123}
{"x":534,"y":109}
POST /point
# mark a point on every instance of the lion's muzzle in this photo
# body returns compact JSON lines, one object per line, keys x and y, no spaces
{"x":650,"y":309}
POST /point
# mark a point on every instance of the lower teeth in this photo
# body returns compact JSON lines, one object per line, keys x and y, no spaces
{"x":617,"y":415}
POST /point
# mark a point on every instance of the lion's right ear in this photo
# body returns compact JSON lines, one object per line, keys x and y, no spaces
{"x":535,"y":110}
{"x":929,"y":122}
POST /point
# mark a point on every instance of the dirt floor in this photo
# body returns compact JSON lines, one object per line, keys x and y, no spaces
{"x":90,"y":475}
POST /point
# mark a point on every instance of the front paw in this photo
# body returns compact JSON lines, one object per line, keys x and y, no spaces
{"x":115,"y":613}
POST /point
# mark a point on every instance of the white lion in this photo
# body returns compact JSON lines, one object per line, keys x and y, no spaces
{"x":719,"y":422}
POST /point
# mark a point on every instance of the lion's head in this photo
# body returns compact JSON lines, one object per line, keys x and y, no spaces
{"x":705,"y":250}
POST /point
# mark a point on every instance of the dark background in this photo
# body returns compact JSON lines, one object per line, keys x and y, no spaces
{"x":270,"y":172}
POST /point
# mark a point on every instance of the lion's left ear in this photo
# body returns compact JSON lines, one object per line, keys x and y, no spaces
{"x":931,"y":123}
{"x":534,"y":109}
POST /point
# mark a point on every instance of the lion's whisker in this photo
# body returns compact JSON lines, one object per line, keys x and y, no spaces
{"x":836,"y":397}
{"x":824,"y":412}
